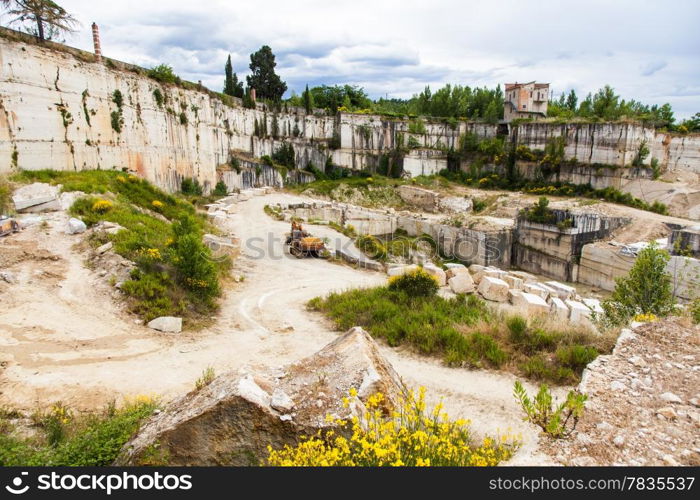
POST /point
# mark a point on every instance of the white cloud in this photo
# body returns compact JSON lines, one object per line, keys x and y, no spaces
{"x":646,"y":50}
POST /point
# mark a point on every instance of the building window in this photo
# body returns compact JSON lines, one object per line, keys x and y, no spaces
{"x":524,"y":106}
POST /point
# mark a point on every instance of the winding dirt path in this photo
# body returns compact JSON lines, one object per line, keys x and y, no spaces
{"x":63,"y":337}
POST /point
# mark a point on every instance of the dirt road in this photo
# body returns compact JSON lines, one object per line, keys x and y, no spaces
{"x":63,"y":337}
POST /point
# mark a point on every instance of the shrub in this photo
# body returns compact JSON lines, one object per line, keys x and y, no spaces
{"x":102,"y":206}
{"x":415,"y":284}
{"x":695,"y":311}
{"x":410,"y":436}
{"x":159,"y":97}
{"x":195,"y":269}
{"x":646,"y":289}
{"x":191,"y":186}
{"x":517,"y":326}
{"x":540,"y":212}
{"x":5,"y":195}
{"x":117,"y":121}
{"x":576,"y":357}
{"x":163,"y":73}
{"x":556,"y":421}
{"x":183,"y":118}
{"x":220,"y":189}
{"x":372,"y":247}
{"x":93,"y":440}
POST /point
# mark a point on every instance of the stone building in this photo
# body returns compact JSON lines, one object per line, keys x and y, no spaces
{"x":525,"y":100}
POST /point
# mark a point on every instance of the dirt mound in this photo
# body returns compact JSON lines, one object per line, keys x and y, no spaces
{"x":234,"y":419}
{"x":643,"y":401}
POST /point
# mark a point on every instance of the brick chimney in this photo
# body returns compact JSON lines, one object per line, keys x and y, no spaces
{"x":252,"y":95}
{"x":96,"y":42}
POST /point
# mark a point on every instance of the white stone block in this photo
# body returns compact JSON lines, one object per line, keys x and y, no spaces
{"x":530,"y":304}
{"x":493,"y":289}
{"x":437,"y":273}
{"x":462,"y":283}
{"x":579,"y":312}
{"x":558,"y":308}
{"x":536,"y":289}
{"x":514,"y":282}
{"x":564,"y":292}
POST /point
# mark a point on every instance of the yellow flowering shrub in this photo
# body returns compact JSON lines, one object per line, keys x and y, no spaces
{"x":102,"y":206}
{"x":411,"y":436}
{"x":157,"y":204}
{"x":645,"y":318}
{"x":151,"y":253}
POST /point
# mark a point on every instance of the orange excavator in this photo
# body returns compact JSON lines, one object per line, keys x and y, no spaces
{"x":302,"y":244}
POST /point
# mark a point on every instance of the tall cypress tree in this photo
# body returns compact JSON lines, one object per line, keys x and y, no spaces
{"x":308,"y":100}
{"x":232,"y":86}
{"x":229,"y":88}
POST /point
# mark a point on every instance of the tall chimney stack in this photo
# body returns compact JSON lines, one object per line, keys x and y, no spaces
{"x":96,"y":42}
{"x":252,"y":95}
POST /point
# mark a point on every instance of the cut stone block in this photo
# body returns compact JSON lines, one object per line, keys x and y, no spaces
{"x":454,"y":271}
{"x":593,"y":305}
{"x":38,"y":193}
{"x":513,"y":295}
{"x":564,"y":292}
{"x":526,"y":277}
{"x":514,"y":282}
{"x":493,"y":289}
{"x":579,"y":312}
{"x":558,"y":308}
{"x":530,"y":304}
{"x":401,"y":270}
{"x":437,"y":273}
{"x":536,"y":289}
{"x":462,"y":283}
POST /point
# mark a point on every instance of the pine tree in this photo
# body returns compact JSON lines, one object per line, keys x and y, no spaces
{"x":263,"y":78}
{"x":308,"y":100}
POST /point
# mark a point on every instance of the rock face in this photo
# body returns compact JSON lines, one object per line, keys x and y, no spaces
{"x":493,"y":289}
{"x":233,"y":420}
{"x":167,"y":324}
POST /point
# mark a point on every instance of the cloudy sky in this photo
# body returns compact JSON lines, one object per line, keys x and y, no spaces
{"x":647,"y":50}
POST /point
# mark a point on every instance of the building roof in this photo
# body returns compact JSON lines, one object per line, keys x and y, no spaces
{"x":516,"y":85}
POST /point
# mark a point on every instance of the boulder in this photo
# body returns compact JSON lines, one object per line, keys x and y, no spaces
{"x":564,"y":292}
{"x":455,"y":205}
{"x":437,"y":273}
{"x":462,"y":283}
{"x":493,"y":289}
{"x":530,"y":304}
{"x":514,"y":282}
{"x":76,"y":226}
{"x":232,"y":420}
{"x":167,"y":324}
{"x":35,"y":195}
{"x":475,"y":268}
{"x":558,"y":308}
{"x":401,"y":270}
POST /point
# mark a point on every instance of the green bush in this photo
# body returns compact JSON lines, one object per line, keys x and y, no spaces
{"x":195,"y":268}
{"x":94,"y":440}
{"x":576,"y":357}
{"x":415,"y":284}
{"x":372,"y":247}
{"x":5,"y":195}
{"x":695,"y":311}
{"x":220,"y":189}
{"x":191,"y":186}
{"x":163,"y":73}
{"x":159,"y":97}
{"x":647,"y":289}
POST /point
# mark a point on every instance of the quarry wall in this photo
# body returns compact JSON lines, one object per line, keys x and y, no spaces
{"x":58,"y":110}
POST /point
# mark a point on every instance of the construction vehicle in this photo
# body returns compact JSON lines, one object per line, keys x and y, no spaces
{"x":8,"y":225}
{"x":302,"y":244}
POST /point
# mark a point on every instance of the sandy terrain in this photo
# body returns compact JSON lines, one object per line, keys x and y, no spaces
{"x":65,"y":337}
